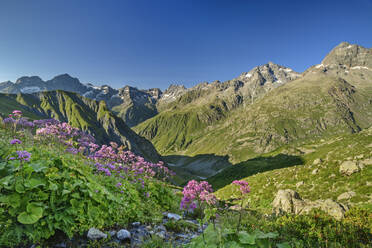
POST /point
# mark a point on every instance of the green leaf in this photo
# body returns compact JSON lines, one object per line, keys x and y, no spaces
{"x":232,"y":244}
{"x":246,"y":238}
{"x":283,"y":245}
{"x":6,"y":180}
{"x":262,"y":235}
{"x":20,"y":188}
{"x":38,"y":167}
{"x":33,"y":213}
{"x":65,"y":192}
{"x":13,"y":200}
{"x":34,"y":183}
{"x":53,"y":186}
{"x":263,"y":243}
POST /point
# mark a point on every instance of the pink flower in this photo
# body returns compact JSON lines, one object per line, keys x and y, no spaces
{"x":244,"y":187}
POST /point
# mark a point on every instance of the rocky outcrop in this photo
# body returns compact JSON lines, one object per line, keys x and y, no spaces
{"x":289,"y":201}
{"x":349,"y":167}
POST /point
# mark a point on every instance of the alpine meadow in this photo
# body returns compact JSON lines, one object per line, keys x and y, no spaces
{"x":272,"y":157}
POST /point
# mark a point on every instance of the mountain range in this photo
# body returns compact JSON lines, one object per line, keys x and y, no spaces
{"x":259,"y":111}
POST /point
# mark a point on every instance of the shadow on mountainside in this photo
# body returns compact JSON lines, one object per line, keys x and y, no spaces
{"x":198,"y":167}
{"x":251,"y":167}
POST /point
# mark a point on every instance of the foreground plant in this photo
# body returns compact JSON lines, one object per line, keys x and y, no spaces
{"x":45,"y":189}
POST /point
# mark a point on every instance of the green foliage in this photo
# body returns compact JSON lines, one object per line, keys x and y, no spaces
{"x":303,"y":231}
{"x":57,"y":191}
{"x":180,"y":226}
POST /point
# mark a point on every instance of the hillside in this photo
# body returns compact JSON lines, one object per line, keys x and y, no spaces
{"x":323,"y":101}
{"x":84,"y":113}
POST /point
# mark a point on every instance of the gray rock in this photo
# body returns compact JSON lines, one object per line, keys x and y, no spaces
{"x":161,"y":234}
{"x":289,"y":201}
{"x":123,"y":234}
{"x":112,"y":233}
{"x":349,"y":167}
{"x":174,"y":216}
{"x":317,"y":161}
{"x":346,"y":196}
{"x":136,"y":224}
{"x":315,"y":171}
{"x":94,"y":234}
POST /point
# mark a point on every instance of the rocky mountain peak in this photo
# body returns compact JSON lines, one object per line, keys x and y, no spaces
{"x":269,"y":73}
{"x":29,"y":80}
{"x":173,"y":92}
{"x":350,"y":55}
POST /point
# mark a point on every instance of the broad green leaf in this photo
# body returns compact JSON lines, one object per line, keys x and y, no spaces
{"x":13,"y":200}
{"x":34,"y":183}
{"x":38,"y":167}
{"x":65,"y":192}
{"x":32,"y":215}
{"x":247,"y":238}
{"x":19,"y":187}
{"x":53,"y":186}
{"x":6,"y":180}
{"x":283,"y":245}
{"x":263,"y":243}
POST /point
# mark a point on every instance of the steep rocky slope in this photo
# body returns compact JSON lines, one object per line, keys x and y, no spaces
{"x":81,"y":112}
{"x":242,"y":119}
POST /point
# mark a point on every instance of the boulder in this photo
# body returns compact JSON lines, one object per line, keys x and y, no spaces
{"x":123,"y":234}
{"x":317,"y":161}
{"x":289,"y":201}
{"x":349,"y":167}
{"x":94,"y":234}
{"x":315,"y":171}
{"x":346,"y":196}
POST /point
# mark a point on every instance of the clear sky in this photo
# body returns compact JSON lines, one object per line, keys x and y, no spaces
{"x":154,"y":43}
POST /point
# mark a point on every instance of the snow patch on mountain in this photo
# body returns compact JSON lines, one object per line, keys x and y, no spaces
{"x":30,"y":89}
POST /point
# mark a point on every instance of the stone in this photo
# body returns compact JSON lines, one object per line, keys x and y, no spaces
{"x":332,"y":175}
{"x":136,"y":224}
{"x":174,"y":216}
{"x":161,"y":234}
{"x":317,"y":161}
{"x":299,"y":184}
{"x":112,"y":233}
{"x":349,"y":167}
{"x":289,"y":201}
{"x":365,"y":162}
{"x":346,"y":196}
{"x":315,"y":171}
{"x":94,"y":234}
{"x":123,"y":234}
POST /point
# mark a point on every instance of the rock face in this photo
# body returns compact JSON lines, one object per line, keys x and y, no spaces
{"x":349,"y":167}
{"x":94,"y":234}
{"x":349,"y":55}
{"x":289,"y":201}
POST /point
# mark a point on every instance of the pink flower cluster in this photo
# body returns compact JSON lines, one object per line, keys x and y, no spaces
{"x":197,"y":193}
{"x":113,"y":160}
{"x":244,"y":187}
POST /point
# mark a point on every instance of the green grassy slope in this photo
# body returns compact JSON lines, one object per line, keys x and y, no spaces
{"x":83,"y":113}
{"x":300,"y":111}
{"x":327,"y":182}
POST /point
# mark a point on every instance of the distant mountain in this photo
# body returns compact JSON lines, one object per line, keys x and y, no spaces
{"x":131,"y":104}
{"x":268,"y":107}
{"x":86,"y":114}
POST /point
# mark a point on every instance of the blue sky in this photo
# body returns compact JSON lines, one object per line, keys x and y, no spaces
{"x":157,"y":42}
